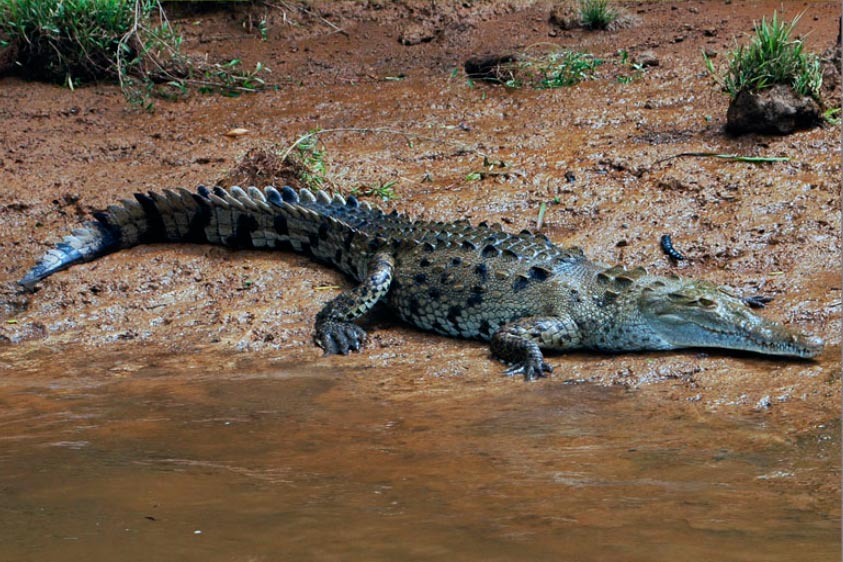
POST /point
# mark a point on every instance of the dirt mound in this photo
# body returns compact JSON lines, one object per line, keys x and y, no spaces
{"x":263,"y":166}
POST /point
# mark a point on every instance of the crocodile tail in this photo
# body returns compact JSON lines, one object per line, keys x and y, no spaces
{"x":120,"y":226}
{"x":235,"y":217}
{"x":91,"y":240}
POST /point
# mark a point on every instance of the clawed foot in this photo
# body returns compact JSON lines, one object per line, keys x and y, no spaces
{"x":532,"y":368}
{"x":339,"y":337}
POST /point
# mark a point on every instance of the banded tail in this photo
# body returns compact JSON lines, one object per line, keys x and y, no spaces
{"x":317,"y":224}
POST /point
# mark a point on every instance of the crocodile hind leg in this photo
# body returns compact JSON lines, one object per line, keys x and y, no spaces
{"x":335,"y":330}
{"x":521,"y":342}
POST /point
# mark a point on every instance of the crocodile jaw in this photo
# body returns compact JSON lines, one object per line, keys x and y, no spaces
{"x":687,"y":313}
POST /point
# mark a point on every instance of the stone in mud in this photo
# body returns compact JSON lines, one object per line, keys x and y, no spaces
{"x":777,"y":110}
{"x":647,"y":58}
{"x":831,"y":65}
{"x":8,"y":54}
{"x":490,"y":67}
{"x":414,"y":33}
{"x":565,"y":16}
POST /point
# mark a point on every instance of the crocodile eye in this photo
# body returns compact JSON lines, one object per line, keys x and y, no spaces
{"x":708,"y":303}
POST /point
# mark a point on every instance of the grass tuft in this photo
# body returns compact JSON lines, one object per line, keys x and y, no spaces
{"x":384,"y":191}
{"x":565,"y":68}
{"x":597,"y":14}
{"x":130,"y":41}
{"x":309,"y":159}
{"x":557,"y":69}
{"x":772,"y":57}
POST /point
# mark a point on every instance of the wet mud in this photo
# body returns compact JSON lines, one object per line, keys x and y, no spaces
{"x":167,"y":402}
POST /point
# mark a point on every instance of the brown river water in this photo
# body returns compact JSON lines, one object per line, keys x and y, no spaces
{"x":203,"y":457}
{"x":166,"y":403}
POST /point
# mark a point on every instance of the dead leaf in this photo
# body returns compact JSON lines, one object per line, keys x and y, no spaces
{"x":238,"y":132}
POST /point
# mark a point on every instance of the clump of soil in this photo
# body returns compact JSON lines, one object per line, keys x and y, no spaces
{"x":8,"y":54}
{"x":418,"y":32}
{"x":495,"y":68}
{"x":831,"y":61}
{"x":565,"y":15}
{"x":263,"y":166}
{"x":777,"y":110}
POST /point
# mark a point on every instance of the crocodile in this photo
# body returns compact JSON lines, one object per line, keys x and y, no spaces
{"x":520,"y":292}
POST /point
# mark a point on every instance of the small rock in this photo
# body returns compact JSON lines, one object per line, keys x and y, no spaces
{"x":647,"y":58}
{"x":415,"y":33}
{"x":8,"y":54}
{"x":709,"y":52}
{"x":777,"y":110}
{"x":709,"y":32}
{"x":763,"y":403}
{"x":565,"y":16}
{"x":490,"y":67}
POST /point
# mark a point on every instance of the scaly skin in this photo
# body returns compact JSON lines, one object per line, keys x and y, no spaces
{"x":518,"y":291}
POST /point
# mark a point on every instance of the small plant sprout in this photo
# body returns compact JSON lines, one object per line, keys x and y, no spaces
{"x":558,"y":69}
{"x":637,"y":69}
{"x":384,"y":190}
{"x":567,"y":68}
{"x":832,"y":115}
{"x":310,"y":160}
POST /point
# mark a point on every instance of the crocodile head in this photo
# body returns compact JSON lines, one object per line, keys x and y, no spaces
{"x":687,"y":313}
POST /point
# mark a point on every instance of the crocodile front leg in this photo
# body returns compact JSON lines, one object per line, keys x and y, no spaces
{"x":335,"y":332}
{"x":520,"y":343}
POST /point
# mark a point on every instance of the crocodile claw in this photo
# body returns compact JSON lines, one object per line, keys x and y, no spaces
{"x":339,"y":337}
{"x":532,"y":369}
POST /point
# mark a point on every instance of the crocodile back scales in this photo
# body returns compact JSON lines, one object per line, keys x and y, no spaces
{"x":342,"y":232}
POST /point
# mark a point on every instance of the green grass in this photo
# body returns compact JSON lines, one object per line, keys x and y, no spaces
{"x":129,"y":41}
{"x":637,"y":69}
{"x":772,"y":57}
{"x":555,"y":70}
{"x":309,"y":159}
{"x":71,"y":38}
{"x":597,"y":14}
{"x":384,"y":191}
{"x":566,"y":68}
